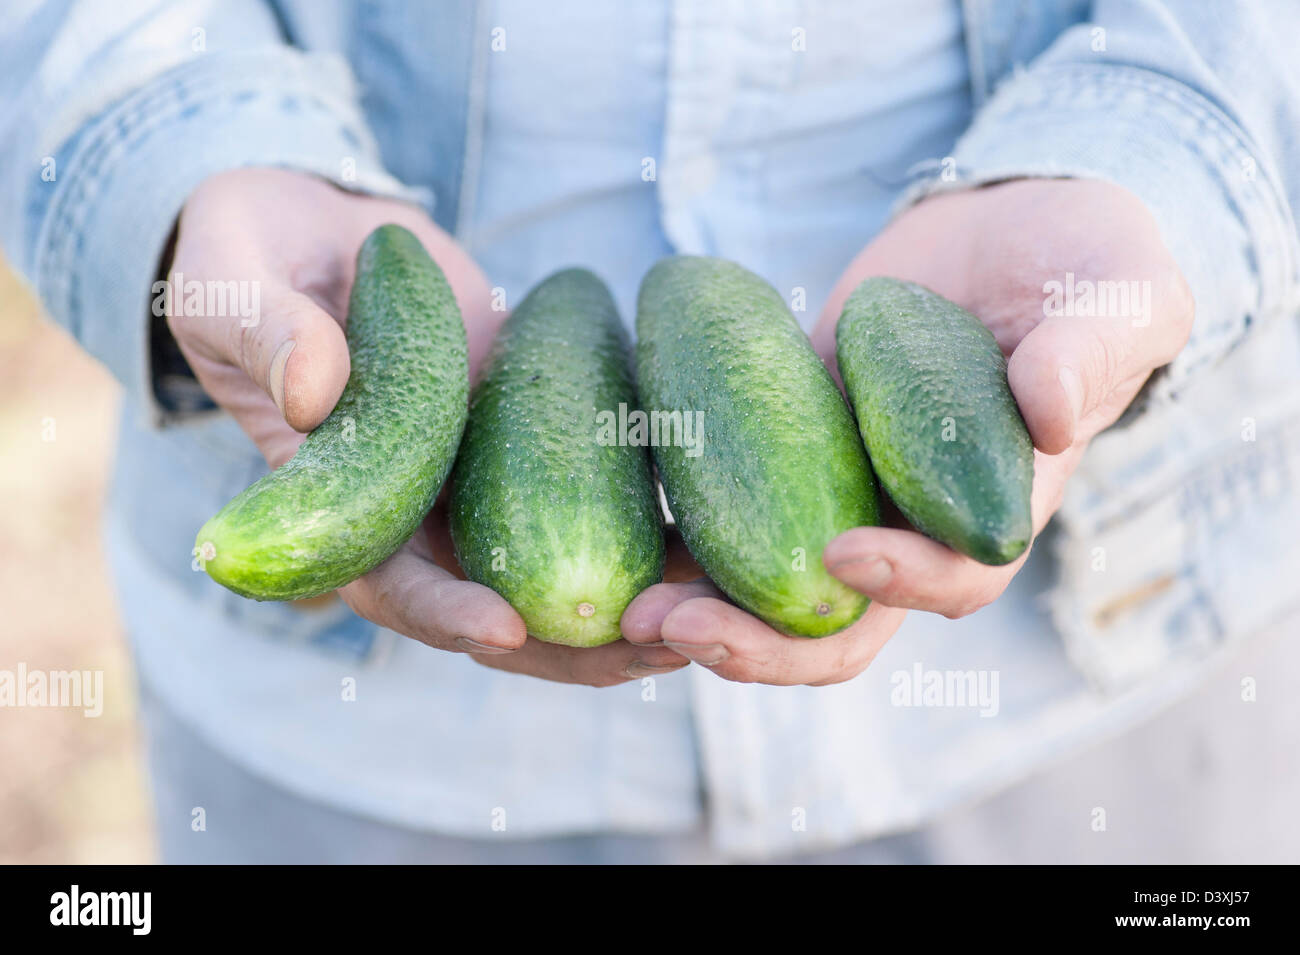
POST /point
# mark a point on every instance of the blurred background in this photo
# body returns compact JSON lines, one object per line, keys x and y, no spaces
{"x":72,"y":788}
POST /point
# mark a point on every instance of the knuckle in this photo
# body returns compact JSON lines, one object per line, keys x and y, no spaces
{"x":242,"y":342}
{"x":385,"y":589}
{"x":968,"y":606}
{"x":842,"y":674}
{"x":360,"y":596}
{"x":845,"y":659}
{"x":737,"y":671}
{"x":1107,"y":360}
{"x":856,"y":656}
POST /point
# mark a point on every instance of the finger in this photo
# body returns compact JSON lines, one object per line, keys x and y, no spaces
{"x":419,"y":599}
{"x":742,"y":648}
{"x":291,"y":349}
{"x":901,"y":568}
{"x":645,"y":615}
{"x":608,"y":665}
{"x":1068,"y":367}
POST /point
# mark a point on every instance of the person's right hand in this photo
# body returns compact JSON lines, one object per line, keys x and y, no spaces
{"x":297,"y":236}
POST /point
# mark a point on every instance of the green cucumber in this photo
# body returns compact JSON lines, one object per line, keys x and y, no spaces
{"x":564,"y":525}
{"x":361,"y":483}
{"x":781,"y":469}
{"x":928,"y":384}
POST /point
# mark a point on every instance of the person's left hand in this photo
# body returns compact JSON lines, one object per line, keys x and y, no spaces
{"x":990,"y":250}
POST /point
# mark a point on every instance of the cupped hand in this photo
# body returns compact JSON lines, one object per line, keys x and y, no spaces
{"x":993,"y":251}
{"x":294,"y":239}
{"x":690,"y":616}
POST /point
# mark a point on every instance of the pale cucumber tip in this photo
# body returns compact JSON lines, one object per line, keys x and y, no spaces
{"x":205,"y":547}
{"x":215,"y":553}
{"x":821,"y":614}
{"x":573,"y":623}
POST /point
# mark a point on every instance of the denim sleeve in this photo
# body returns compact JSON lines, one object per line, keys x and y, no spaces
{"x":113,"y":114}
{"x":1195,"y":108}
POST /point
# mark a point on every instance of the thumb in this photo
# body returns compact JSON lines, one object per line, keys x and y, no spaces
{"x":1066,"y":368}
{"x":301,"y":359}
{"x":291,"y":349}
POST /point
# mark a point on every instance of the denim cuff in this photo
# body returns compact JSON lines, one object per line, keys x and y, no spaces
{"x":1216,"y":198}
{"x":130,"y":170}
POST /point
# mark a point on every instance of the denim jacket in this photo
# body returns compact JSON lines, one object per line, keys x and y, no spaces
{"x":1176,"y":539}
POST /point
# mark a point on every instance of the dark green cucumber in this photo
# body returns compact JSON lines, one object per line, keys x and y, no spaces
{"x":361,"y":483}
{"x":564,"y":525}
{"x":928,"y":384}
{"x":781,"y":469}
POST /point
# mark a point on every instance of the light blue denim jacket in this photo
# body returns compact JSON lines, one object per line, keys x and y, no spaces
{"x":1172,"y":544}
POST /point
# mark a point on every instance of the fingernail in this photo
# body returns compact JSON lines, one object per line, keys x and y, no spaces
{"x":1073,"y":388}
{"x":709,"y":654}
{"x":637,"y":669}
{"x":473,"y":646}
{"x":275,"y":375}
{"x":868,"y":573}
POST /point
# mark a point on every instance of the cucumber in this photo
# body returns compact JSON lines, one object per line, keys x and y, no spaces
{"x":361,"y":483}
{"x":563,"y":525}
{"x":928,"y":384}
{"x":781,"y":469}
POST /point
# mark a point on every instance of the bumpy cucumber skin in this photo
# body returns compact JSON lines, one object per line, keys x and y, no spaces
{"x":910,"y":360}
{"x":782,"y":470}
{"x":361,"y":483}
{"x":542,"y":513}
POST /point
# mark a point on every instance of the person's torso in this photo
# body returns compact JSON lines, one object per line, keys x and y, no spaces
{"x":607,"y":136}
